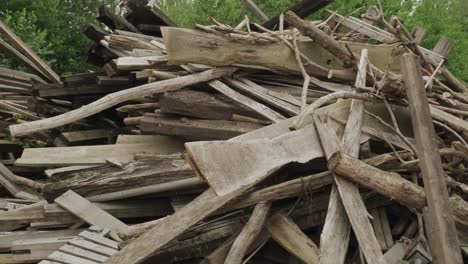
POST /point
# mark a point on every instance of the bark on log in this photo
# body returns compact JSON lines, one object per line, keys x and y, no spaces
{"x":119,"y":97}
{"x":389,"y":184}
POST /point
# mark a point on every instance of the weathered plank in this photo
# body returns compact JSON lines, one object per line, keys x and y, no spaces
{"x":194,"y":129}
{"x":86,"y":155}
{"x":212,"y":162}
{"x":284,"y":231}
{"x":445,"y":246}
{"x":89,"y":212}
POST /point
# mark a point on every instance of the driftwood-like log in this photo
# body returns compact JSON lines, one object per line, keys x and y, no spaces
{"x":250,"y":232}
{"x":114,"y":21}
{"x":119,"y":97}
{"x":389,"y":184}
{"x":446,"y":247}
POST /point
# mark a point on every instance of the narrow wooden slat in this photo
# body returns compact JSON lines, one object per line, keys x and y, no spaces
{"x":89,"y":212}
{"x":78,"y":252}
{"x":68,"y":259}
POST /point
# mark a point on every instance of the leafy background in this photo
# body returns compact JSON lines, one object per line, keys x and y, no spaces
{"x":52,"y":27}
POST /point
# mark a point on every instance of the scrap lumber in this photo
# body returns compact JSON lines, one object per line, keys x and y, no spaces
{"x":261,"y":109}
{"x":219,"y":50}
{"x":20,"y":58}
{"x":208,"y":202}
{"x":153,"y":173}
{"x":114,"y":21}
{"x":89,"y":247}
{"x":88,"y":155}
{"x":389,"y":184}
{"x":249,"y":233}
{"x":255,"y":10}
{"x":194,"y":129}
{"x":444,"y":246}
{"x":89,"y":212}
{"x":8,"y":181}
{"x":351,"y":201}
{"x":118,"y":97}
{"x":27,"y":52}
{"x":203,"y":105}
{"x":296,"y":146}
{"x":302,"y":9}
{"x":284,"y":231}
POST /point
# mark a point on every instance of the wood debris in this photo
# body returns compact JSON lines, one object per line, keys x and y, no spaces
{"x":291,"y":141}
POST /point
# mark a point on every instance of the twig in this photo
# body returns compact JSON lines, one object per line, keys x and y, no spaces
{"x":429,"y":82}
{"x":305,"y":85}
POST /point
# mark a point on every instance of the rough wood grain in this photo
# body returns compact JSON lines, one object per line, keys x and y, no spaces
{"x":249,"y":233}
{"x":284,"y":231}
{"x":445,"y":246}
{"x":89,"y":212}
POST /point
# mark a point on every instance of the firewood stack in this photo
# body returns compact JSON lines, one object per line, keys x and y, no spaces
{"x":290,"y":141}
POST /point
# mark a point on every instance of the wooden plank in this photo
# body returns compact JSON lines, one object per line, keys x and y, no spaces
{"x":68,"y":259}
{"x":334,"y":240}
{"x":107,"y":16}
{"x":96,"y":248}
{"x":255,"y":10}
{"x":445,"y":246}
{"x":203,"y":105}
{"x":372,"y":31}
{"x":79,"y":252}
{"x":210,"y":157}
{"x":284,"y":231}
{"x":99,"y":239}
{"x":89,"y":212}
{"x":19,"y":75}
{"x":194,"y":129}
{"x":87,"y":155}
{"x":261,"y":109}
{"x":26,"y":51}
{"x":85,"y":136}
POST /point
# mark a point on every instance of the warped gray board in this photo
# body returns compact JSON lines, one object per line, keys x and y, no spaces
{"x":229,"y":165}
{"x":88,"y":155}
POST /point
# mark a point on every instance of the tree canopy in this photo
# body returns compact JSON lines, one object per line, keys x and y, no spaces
{"x":52,"y":27}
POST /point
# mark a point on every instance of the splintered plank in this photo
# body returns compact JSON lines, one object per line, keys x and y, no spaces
{"x":445,"y":246}
{"x":284,"y":231}
{"x":24,"y":49}
{"x":90,"y":246}
{"x":89,"y":212}
{"x":211,"y":158}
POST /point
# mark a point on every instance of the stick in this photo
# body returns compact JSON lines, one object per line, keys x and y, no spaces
{"x":119,"y":97}
{"x":249,"y":233}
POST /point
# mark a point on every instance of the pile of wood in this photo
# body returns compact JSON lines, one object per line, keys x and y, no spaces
{"x":290,"y":141}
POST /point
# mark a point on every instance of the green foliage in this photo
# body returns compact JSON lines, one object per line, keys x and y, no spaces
{"x":24,"y":24}
{"x":52,"y":29}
